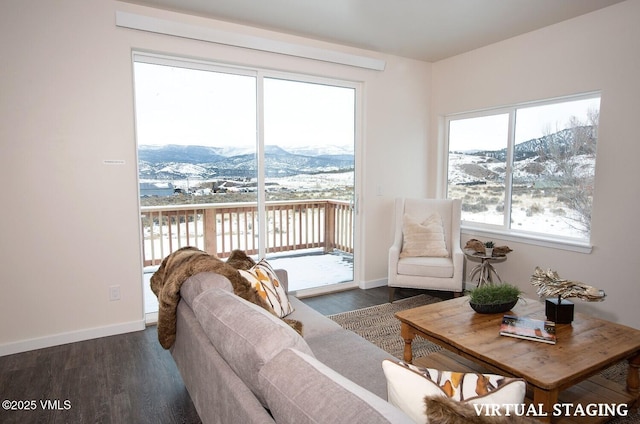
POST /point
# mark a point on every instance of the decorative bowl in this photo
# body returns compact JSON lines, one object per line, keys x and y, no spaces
{"x":495,"y":308}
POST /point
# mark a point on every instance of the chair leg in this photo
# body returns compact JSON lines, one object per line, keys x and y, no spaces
{"x":392,"y":294}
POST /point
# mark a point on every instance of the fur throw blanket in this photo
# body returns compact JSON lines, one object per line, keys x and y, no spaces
{"x":182,"y":264}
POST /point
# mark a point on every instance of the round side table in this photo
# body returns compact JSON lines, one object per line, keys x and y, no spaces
{"x":484,"y":272}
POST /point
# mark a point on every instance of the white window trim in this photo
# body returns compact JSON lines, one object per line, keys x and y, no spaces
{"x":218,"y":36}
{"x":535,"y":239}
{"x":505,"y":233}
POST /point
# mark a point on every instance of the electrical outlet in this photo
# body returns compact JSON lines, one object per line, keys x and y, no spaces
{"x":114,"y":293}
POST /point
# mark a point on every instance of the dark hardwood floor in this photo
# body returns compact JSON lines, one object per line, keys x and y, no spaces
{"x":127,"y":378}
{"x":349,"y":300}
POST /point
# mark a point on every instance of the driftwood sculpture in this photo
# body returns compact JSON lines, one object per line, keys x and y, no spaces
{"x":478,"y":247}
{"x":550,"y":284}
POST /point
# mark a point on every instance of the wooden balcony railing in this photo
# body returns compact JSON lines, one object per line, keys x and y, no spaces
{"x":219,"y":228}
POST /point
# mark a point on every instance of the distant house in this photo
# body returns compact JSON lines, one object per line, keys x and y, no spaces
{"x":156,"y":189}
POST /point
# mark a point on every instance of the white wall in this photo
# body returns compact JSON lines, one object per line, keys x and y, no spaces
{"x":70,"y":224}
{"x":598,"y":51}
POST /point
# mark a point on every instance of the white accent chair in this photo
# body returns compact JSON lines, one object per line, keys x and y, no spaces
{"x":429,"y":273}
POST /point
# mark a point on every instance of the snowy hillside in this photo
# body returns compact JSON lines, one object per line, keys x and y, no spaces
{"x":469,"y":169}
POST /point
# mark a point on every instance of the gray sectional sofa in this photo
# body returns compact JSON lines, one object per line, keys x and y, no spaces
{"x":241,"y":364}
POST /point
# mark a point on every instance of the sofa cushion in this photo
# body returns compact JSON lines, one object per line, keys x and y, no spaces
{"x":423,"y":238}
{"x":353,"y":357}
{"x":408,"y":385}
{"x":216,"y":390}
{"x":264,"y":279}
{"x":315,"y":324}
{"x":299,"y":389}
{"x":426,"y":267}
{"x":244,"y":334}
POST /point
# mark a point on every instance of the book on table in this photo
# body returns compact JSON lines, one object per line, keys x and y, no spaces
{"x":528,"y":329}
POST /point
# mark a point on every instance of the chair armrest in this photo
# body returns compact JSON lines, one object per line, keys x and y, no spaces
{"x":457,"y":256}
{"x":395,"y":249}
{"x":394,"y":257}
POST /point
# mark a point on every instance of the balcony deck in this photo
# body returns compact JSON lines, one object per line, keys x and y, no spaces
{"x":307,"y":269}
{"x":311,"y":239}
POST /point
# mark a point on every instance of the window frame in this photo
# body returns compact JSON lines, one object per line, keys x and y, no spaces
{"x":260,"y":74}
{"x":504,"y":231}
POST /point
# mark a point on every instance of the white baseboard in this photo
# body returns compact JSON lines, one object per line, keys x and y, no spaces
{"x":151,"y":318}
{"x":316,"y":291}
{"x":383,"y":282}
{"x":373,"y":283}
{"x":70,"y":337}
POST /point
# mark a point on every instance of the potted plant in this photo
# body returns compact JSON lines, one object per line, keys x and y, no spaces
{"x":488,"y":248}
{"x":494,"y":298}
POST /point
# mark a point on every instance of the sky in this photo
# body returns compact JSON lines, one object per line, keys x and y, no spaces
{"x":490,"y":132}
{"x":182,"y":106}
{"x":186,"y":106}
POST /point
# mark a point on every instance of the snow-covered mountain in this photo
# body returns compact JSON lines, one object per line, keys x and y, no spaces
{"x":203,"y":162}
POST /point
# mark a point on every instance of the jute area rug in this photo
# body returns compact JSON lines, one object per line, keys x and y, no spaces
{"x":378,"y":325}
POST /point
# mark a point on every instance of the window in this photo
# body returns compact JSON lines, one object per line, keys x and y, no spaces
{"x":528,"y":169}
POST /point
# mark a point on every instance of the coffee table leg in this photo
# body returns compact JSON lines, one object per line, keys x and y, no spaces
{"x":408,"y":336}
{"x":546,"y":398}
{"x":633,"y":380}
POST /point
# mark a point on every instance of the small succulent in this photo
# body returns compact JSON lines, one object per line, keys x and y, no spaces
{"x":488,"y":244}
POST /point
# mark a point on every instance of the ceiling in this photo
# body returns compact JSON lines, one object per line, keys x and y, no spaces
{"x":427,"y":30}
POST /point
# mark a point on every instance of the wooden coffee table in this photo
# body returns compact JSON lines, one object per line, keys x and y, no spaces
{"x":585,"y":347}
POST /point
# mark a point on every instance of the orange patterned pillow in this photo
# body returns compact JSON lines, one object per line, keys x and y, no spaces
{"x":407,"y":386}
{"x":264,"y":279}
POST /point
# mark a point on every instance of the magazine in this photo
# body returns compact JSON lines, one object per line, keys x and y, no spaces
{"x":528,"y":328}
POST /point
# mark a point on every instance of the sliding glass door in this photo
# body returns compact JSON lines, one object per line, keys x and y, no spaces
{"x":245,"y":159}
{"x":309,"y":138}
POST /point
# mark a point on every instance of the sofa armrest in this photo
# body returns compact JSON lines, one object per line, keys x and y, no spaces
{"x":201,"y":282}
{"x":283,"y":277}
